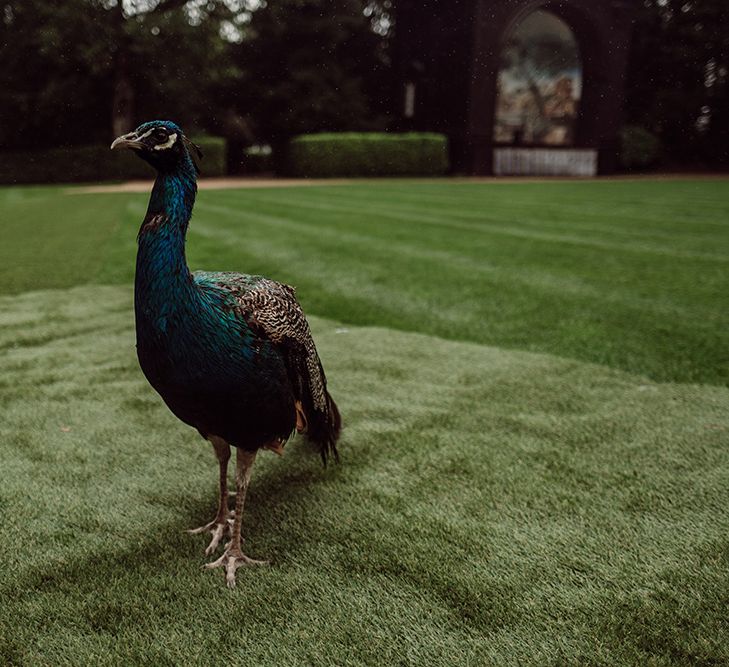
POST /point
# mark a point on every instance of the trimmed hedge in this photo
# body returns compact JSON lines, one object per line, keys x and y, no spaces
{"x":368,"y":154}
{"x":77,"y":164}
{"x":214,"y":156}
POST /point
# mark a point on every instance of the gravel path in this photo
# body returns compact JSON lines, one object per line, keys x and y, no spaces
{"x":242,"y":182}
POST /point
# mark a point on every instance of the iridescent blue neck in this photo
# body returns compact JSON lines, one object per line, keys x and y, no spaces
{"x":173,"y":194}
{"x":162,"y":274}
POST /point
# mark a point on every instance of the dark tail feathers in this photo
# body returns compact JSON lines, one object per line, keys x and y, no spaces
{"x":323,"y":428}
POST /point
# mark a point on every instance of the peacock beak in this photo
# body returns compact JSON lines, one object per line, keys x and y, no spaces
{"x":127,"y":141}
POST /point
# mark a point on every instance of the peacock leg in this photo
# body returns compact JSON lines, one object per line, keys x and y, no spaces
{"x":219,"y":526}
{"x":233,"y":558}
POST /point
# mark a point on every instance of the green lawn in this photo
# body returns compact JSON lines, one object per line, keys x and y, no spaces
{"x":534,"y":381}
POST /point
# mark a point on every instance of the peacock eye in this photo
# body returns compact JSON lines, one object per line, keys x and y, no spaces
{"x":160,"y":134}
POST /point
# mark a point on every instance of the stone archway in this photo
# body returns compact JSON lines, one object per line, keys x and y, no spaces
{"x":583,"y":141}
{"x":448,"y":58}
{"x":538,"y":98}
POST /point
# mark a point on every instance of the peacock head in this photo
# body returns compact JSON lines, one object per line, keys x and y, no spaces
{"x":162,"y":144}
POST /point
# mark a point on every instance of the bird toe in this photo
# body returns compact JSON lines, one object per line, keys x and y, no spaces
{"x":232,"y":560}
{"x":218,"y":532}
{"x":217,"y":529}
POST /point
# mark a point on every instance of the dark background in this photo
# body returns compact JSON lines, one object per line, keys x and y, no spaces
{"x":78,"y":72}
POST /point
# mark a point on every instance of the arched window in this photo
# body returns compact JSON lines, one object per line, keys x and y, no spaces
{"x":540,"y":84}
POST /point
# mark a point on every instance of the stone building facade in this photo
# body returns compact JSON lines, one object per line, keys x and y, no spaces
{"x":519,"y":86}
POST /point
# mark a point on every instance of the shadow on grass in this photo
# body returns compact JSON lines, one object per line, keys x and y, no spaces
{"x":300,"y":517}
{"x":171,"y":548}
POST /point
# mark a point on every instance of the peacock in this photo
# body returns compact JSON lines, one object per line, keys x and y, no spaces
{"x":230,"y":354}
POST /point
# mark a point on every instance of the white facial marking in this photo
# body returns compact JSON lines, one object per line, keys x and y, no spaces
{"x":146,"y":134}
{"x":167,"y":144}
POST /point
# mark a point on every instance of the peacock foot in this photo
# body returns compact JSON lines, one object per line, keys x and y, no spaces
{"x":218,"y":529}
{"x":231,"y":560}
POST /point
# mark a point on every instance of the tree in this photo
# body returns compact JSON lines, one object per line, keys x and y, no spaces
{"x":679,"y":77}
{"x":171,"y":50}
{"x":313,"y":65}
{"x":79,"y":71}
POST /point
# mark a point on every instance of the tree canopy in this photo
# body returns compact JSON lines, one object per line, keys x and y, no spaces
{"x":77,"y":71}
{"x":311,"y":65}
{"x":74,"y":71}
{"x":679,"y":77}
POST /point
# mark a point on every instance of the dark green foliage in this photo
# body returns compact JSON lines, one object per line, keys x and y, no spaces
{"x":368,"y":154}
{"x":61,"y":62}
{"x":73,"y":164}
{"x":301,"y":66}
{"x":214,"y":155}
{"x":77,"y":164}
{"x":678,"y":77}
{"x":639,"y":148}
{"x":57,"y":66}
{"x":312,"y":66}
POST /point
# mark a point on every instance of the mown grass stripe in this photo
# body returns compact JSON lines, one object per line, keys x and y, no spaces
{"x":395,"y":250}
{"x":660,"y":314}
{"x":490,"y":227}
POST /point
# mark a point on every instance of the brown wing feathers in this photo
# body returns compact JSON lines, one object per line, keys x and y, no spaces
{"x":272,"y":308}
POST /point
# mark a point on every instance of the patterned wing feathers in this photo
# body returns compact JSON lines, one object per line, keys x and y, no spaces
{"x":272,"y":308}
